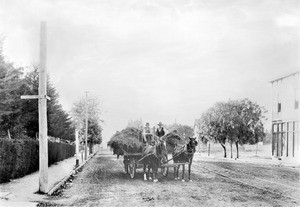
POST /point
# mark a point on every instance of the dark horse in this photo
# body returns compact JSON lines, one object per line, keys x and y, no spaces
{"x":154,"y":156}
{"x":184,"y":154}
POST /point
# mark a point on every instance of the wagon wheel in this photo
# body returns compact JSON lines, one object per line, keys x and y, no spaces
{"x":165,"y":170}
{"x":132,"y":168}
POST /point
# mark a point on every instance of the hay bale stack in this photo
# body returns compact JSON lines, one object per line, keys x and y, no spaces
{"x":128,"y":140}
{"x":172,"y":140}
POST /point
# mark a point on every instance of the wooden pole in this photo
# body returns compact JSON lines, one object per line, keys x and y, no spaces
{"x":256,"y":149}
{"x":42,"y":97}
{"x":86,"y":123}
{"x":77,"y":147}
{"x":43,"y":137}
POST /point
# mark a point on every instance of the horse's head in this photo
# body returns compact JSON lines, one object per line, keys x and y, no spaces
{"x":191,"y":146}
{"x":161,"y":147}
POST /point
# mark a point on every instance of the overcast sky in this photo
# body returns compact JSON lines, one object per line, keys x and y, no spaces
{"x":158,"y":60}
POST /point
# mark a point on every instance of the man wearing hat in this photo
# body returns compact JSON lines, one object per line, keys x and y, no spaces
{"x":148,"y":137}
{"x":160,"y":131}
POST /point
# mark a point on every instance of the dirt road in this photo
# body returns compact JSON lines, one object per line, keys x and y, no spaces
{"x":102,"y":182}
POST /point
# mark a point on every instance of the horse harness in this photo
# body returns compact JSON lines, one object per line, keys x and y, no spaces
{"x":188,"y":151}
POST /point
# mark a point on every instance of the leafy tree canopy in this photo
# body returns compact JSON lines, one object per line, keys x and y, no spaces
{"x":59,"y":123}
{"x":20,"y":117}
{"x":78,"y":112}
{"x":237,"y":121}
{"x":137,"y":123}
{"x":183,"y":131}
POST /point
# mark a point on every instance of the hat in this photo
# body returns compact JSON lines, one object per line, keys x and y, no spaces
{"x":159,"y":124}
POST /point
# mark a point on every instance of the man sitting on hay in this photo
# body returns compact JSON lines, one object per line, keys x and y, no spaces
{"x":160,"y":131}
{"x":148,"y":136}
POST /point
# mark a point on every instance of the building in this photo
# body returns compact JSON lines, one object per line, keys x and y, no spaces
{"x":285,"y":117}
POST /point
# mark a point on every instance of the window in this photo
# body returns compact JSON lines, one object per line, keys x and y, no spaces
{"x":279,"y":107}
{"x":275,"y":128}
{"x":296,"y":104}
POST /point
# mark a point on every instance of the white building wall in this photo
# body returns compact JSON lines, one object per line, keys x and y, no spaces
{"x":285,"y":124}
{"x":285,"y":91}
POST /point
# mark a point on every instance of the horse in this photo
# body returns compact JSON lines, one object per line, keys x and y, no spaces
{"x":159,"y":151}
{"x":184,"y":154}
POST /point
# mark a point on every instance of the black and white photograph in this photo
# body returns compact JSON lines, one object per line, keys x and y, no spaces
{"x":149,"y":103}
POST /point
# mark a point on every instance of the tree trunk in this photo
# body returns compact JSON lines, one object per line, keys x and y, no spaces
{"x":256,"y":149}
{"x":208,"y":148}
{"x":237,"y":149}
{"x":91,"y":148}
{"x":223,"y":145}
{"x":231,"y":150}
{"x":8,"y":132}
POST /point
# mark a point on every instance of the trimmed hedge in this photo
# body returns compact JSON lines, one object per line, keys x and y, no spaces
{"x":21,"y":157}
{"x":59,"y":151}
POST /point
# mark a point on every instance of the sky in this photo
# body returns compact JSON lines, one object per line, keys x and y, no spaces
{"x":156,"y":60}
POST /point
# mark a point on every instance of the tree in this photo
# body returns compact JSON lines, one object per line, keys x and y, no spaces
{"x":138,"y":123}
{"x":183,"y":131}
{"x":78,"y":113}
{"x":18,"y":116}
{"x":59,"y":121}
{"x":11,"y":86}
{"x":248,"y":126}
{"x":238,"y":122}
{"x":211,"y":126}
{"x":94,"y":133}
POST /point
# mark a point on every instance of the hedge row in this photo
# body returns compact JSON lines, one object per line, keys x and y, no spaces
{"x":59,"y":151}
{"x":21,"y":157}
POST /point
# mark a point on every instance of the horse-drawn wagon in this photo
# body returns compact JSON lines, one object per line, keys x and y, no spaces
{"x":155,"y":157}
{"x":182,"y":155}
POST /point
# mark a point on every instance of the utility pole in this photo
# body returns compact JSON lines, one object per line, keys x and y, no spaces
{"x":86,"y":122}
{"x":42,"y":97}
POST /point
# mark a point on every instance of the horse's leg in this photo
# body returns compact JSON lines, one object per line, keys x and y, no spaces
{"x":154,"y":170}
{"x":183,"y":167}
{"x":175,"y":169}
{"x":177,"y":172}
{"x":149,"y":175}
{"x":190,"y":166}
{"x":144,"y":168}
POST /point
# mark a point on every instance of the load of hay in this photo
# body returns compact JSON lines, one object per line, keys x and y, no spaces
{"x":129,"y":140}
{"x":172,"y":140}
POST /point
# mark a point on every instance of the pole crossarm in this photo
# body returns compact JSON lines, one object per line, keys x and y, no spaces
{"x":35,"y":97}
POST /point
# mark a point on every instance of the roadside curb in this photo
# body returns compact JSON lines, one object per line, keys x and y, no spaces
{"x":64,"y":180}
